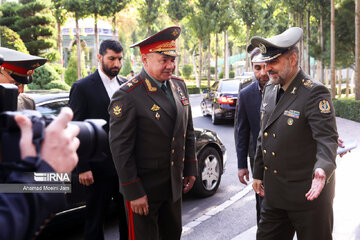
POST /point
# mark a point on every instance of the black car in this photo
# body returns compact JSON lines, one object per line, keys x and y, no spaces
{"x":210,"y":151}
{"x":220,"y":100}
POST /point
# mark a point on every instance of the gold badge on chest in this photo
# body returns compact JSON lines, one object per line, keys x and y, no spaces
{"x":150,"y":87}
{"x":290,"y":121}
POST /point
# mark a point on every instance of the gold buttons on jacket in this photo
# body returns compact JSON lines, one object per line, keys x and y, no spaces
{"x":266,"y":168}
{"x":173,"y":139}
{"x":274,"y":135}
{"x":183,"y":147}
{"x":275,"y":172}
{"x":265,"y":134}
{"x":273,"y":154}
{"x":172,"y":151}
{"x":264,"y":151}
{"x":183,"y":159}
{"x":184,"y":135}
{"x":172,"y":163}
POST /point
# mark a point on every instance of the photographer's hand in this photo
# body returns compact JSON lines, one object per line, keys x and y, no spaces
{"x":60,"y":144}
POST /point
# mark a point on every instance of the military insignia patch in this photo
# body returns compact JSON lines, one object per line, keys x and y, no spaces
{"x":155,"y":108}
{"x":175,"y":33}
{"x":308,"y":83}
{"x":324,"y":106}
{"x":150,"y":87}
{"x":129,"y":84}
{"x":262,"y":48}
{"x":135,"y":81}
{"x":157,"y":116}
{"x":116,"y":109}
{"x":290,"y":121}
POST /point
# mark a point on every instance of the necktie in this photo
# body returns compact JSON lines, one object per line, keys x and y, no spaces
{"x":164,"y":88}
{"x":280,"y":93}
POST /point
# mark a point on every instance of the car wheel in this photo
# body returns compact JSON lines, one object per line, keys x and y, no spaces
{"x":203,"y":108}
{"x":215,"y":120}
{"x":210,"y":169}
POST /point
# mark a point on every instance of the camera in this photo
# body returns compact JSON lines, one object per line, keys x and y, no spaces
{"x":92,"y":135}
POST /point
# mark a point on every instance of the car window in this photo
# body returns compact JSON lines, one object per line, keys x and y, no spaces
{"x":52,"y":107}
{"x":230,"y":86}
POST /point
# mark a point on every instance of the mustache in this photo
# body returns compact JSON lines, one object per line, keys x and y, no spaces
{"x":271,"y":72}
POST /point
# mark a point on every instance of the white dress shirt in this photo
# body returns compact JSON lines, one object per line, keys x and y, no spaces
{"x":111,"y":85}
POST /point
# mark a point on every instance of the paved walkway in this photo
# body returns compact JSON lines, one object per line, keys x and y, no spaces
{"x":347,"y":199}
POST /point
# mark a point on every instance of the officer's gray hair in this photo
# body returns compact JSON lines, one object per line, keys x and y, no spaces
{"x":294,"y":49}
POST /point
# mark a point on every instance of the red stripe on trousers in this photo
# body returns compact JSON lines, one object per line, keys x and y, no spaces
{"x":131,"y":221}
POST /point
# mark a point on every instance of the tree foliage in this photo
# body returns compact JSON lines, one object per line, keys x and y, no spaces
{"x":45,"y":77}
{"x":71,"y":75}
{"x":11,"y":39}
{"x":148,"y":13}
{"x":9,"y":15}
{"x":36,"y":25}
{"x":187,"y":70}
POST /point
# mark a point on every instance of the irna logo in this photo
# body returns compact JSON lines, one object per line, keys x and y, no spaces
{"x":52,"y":177}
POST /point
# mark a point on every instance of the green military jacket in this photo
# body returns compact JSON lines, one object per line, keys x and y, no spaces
{"x":151,"y":140}
{"x":298,"y":135}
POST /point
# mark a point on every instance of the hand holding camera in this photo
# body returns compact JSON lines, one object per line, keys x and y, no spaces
{"x":60,"y":143}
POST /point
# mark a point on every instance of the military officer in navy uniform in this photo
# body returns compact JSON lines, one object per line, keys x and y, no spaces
{"x":152,"y":141}
{"x":296,"y":151}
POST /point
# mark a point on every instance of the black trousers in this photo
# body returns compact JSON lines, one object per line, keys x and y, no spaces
{"x":162,"y":223}
{"x":310,"y":224}
{"x":98,"y":198}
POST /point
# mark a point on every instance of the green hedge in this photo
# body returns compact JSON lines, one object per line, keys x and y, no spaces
{"x":347,"y":108}
{"x":195,"y":90}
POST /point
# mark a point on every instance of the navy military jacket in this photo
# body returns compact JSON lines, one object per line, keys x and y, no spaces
{"x":298,"y":135}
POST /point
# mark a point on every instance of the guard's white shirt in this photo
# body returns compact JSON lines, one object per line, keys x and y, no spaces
{"x":111,"y":85}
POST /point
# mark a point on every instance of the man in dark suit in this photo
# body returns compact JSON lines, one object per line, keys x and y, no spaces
{"x":296,"y":151}
{"x":248,"y":122}
{"x":152,"y":141}
{"x":90,"y":98}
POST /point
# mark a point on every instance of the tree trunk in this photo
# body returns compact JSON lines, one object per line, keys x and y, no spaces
{"x":307,"y":42}
{"x":226,"y":56}
{"x":216,"y":55}
{"x":96,"y":38}
{"x":177,"y":59}
{"x":59,"y":43}
{"x":301,"y":50}
{"x":322,"y":50}
{"x":195,"y":70}
{"x":246,"y":53}
{"x":339,"y":82}
{"x":357,"y":50}
{"x":347,"y":82}
{"x":332,"y":49}
{"x":114,"y":26}
{"x":326,"y":77}
{"x":209,"y":63}
{"x":200,"y":62}
{"x":78,"y":46}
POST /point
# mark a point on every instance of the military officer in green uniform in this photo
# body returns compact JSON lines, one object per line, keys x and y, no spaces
{"x":295,"y":157}
{"x":152,"y":141}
